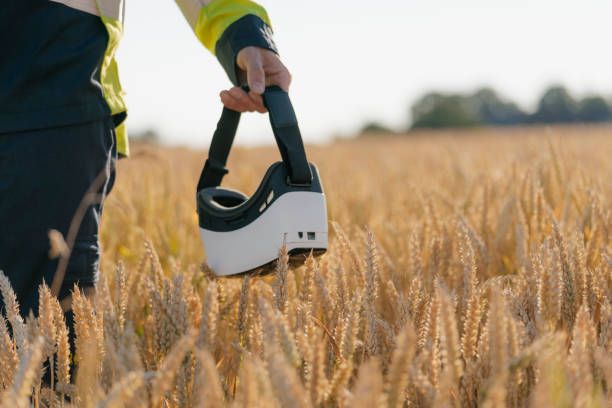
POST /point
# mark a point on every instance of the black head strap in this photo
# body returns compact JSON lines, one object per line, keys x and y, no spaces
{"x":286,"y":132}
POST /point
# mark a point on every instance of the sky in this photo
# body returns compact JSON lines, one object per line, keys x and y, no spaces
{"x":356,"y":61}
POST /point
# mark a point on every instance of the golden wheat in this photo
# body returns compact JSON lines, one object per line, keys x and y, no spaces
{"x":465,"y":269}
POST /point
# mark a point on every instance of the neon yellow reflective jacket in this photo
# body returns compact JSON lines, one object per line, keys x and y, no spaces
{"x":209,"y":20}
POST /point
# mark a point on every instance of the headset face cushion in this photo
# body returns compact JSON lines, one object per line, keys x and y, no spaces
{"x":223,"y":197}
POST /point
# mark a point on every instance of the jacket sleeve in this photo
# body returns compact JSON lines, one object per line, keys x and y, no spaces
{"x":225,"y":27}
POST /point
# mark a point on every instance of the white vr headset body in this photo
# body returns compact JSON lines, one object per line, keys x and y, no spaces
{"x":243,"y":233}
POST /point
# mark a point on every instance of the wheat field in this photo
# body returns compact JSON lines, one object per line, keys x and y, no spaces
{"x":465,"y":269}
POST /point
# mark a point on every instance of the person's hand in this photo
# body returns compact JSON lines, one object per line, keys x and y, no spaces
{"x":261,"y":68}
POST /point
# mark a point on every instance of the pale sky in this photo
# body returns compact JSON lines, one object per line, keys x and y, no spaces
{"x":354,"y":61}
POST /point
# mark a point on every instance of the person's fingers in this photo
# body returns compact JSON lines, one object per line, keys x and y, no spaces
{"x":238,"y":100}
{"x":256,"y":76}
{"x":278,"y":74}
{"x":258,"y":101}
{"x":230,"y":102}
{"x":243,"y":98}
{"x":262,"y":68}
{"x":284,"y":80}
{"x":251,"y":101}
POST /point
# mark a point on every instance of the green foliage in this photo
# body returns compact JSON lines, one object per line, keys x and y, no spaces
{"x":556,"y":106}
{"x":372,"y":128}
{"x":594,"y":109}
{"x":492,"y":109}
{"x":487,"y":107}
{"x":436,"y":110}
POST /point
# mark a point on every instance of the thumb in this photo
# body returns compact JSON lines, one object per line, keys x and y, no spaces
{"x":256,"y":77}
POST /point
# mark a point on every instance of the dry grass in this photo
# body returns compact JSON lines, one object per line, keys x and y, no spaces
{"x":466,"y":269}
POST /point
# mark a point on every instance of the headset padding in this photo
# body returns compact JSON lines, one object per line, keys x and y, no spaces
{"x":222,"y":198}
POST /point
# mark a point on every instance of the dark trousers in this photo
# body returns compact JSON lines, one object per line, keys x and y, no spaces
{"x":44,"y":175}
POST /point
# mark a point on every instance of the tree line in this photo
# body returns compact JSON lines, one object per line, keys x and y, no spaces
{"x":486,"y":107}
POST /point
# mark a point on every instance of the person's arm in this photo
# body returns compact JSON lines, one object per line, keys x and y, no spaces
{"x":239,"y":33}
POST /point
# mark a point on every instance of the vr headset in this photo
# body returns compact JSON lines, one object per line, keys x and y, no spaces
{"x":242,"y":233}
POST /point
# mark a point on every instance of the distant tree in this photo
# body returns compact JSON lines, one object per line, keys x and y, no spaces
{"x":556,"y":106}
{"x":487,"y":107}
{"x":491,"y":109}
{"x":377,"y":128}
{"x":594,"y":109}
{"x":436,"y":110}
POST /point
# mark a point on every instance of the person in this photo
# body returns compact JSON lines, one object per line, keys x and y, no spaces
{"x":62,"y":124}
